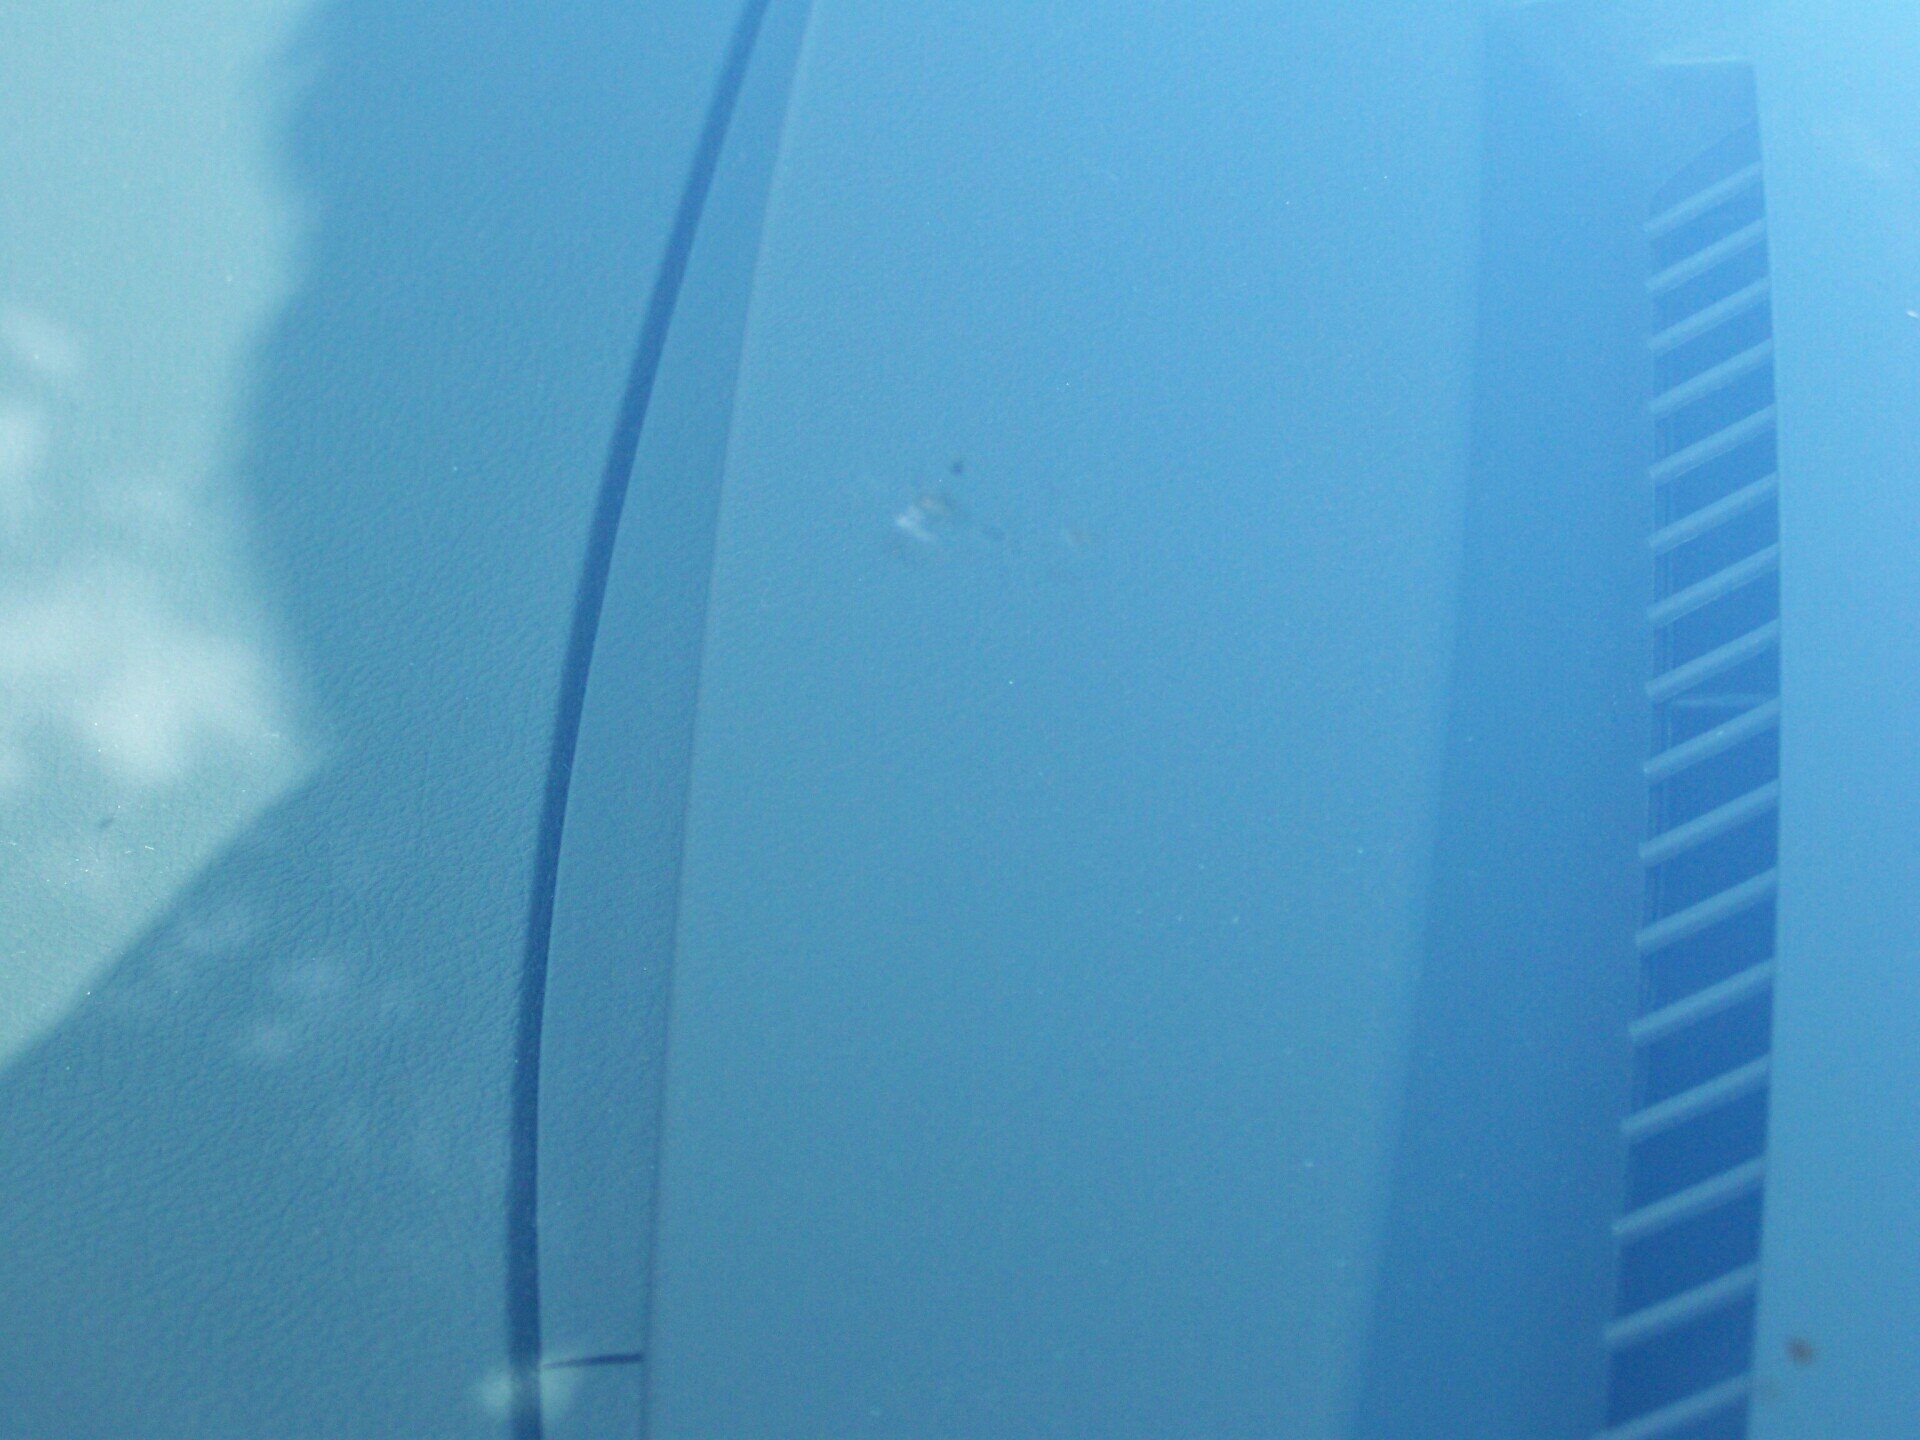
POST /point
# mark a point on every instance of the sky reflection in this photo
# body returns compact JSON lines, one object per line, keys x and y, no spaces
{"x":148,"y":711}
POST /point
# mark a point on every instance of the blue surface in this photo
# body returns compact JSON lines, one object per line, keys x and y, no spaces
{"x":1840,"y":1297}
{"x":1053,"y":885}
{"x":1151,"y":948}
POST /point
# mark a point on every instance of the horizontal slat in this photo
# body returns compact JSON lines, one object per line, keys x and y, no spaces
{"x":1703,"y":260}
{"x":1701,"y":201}
{"x":1710,"y":517}
{"x":1708,"y":381}
{"x":1695,"y":918}
{"x":1670,"y":1419}
{"x":1694,"y":1200}
{"x":1733,"y":1286}
{"x":1722,"y":582}
{"x":1688,"y":1104}
{"x":1683,"y":678}
{"x":1704,"y":746}
{"x":1712,"y":1000}
{"x":1712,"y":447}
{"x":1710,"y":826}
{"x":1718,"y":313}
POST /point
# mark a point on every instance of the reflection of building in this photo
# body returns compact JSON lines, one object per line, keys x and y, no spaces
{"x":1680,"y":1346}
{"x":1640,"y":480}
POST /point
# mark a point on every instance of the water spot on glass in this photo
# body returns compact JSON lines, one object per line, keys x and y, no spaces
{"x":498,"y":1393}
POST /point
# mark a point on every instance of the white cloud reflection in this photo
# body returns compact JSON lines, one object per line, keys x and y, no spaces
{"x":97,"y":664}
{"x":148,"y":712}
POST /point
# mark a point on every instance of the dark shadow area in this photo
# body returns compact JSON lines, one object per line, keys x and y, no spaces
{"x":1496,"y":1262}
{"x":254,"y":1183}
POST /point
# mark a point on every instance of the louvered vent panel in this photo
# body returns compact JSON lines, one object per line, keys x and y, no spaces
{"x":1680,"y":1344}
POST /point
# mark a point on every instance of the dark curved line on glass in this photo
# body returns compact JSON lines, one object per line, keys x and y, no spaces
{"x":523,"y":1241}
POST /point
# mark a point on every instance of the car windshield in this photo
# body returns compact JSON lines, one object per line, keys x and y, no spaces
{"x":826,"y":718}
